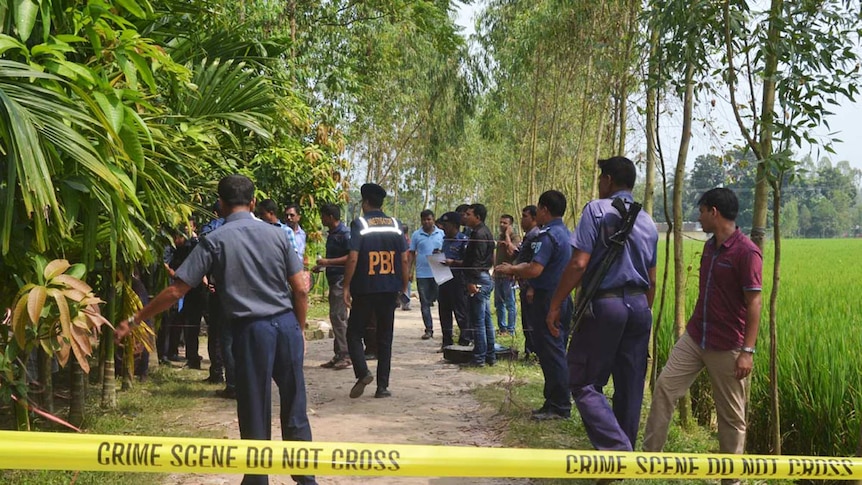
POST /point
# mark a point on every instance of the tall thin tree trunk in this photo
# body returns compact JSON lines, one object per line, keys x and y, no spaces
{"x":46,"y":382}
{"x":767,"y":115}
{"x":109,"y":381}
{"x":775,"y":430}
{"x":678,"y":250}
{"x":78,"y":393}
{"x":651,"y":114}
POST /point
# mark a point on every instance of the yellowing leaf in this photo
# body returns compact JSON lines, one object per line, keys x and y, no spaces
{"x":19,"y":321}
{"x":36,"y":302}
{"x":72,"y":283}
{"x":65,"y":315}
{"x":80,"y":356}
{"x":55,"y":268}
{"x":64,"y":351}
{"x":74,"y":294}
{"x":96,"y":318}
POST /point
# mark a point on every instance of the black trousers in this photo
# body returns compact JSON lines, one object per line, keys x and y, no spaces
{"x":363,"y":309}
{"x":453,"y":301}
{"x":194,"y":306}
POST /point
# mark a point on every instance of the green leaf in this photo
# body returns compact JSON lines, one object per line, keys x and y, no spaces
{"x":77,"y":270}
{"x":143,"y":69}
{"x":132,"y":144}
{"x":7,"y":43}
{"x":113,"y":109}
{"x":25,"y":17}
{"x":71,"y":70}
{"x":132,"y":7}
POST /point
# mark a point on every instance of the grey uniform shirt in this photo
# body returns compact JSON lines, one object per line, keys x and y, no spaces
{"x":251,"y":260}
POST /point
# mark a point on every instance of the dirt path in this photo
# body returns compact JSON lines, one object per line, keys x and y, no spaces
{"x":431,"y":404}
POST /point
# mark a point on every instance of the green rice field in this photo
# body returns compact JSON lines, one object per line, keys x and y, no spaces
{"x":819,"y":321}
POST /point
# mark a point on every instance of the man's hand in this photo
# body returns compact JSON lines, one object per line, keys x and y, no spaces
{"x":317,"y":268}
{"x":472,"y":289}
{"x":744,"y":364}
{"x":121,"y":331}
{"x":553,"y":320}
{"x":347,"y":298}
{"x":505,"y":269}
{"x":531,"y":292}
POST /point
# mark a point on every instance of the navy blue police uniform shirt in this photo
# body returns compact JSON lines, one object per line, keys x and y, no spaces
{"x":337,"y":245}
{"x":251,"y":260}
{"x":378,"y":240}
{"x":552,"y":250}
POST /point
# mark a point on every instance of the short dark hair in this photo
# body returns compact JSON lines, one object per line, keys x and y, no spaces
{"x":462,"y":208}
{"x":236,"y":190}
{"x":723,"y":199}
{"x":531,"y":209}
{"x":294,"y":207}
{"x":621,"y":169}
{"x":374,"y":200}
{"x":426,"y":213}
{"x":268,"y":205}
{"x":479,"y":210}
{"x":554,"y":201}
{"x":331,"y":210}
{"x":508,"y":216}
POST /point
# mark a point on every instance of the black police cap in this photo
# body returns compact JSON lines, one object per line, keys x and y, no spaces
{"x":372,"y":191}
{"x":452,"y":217}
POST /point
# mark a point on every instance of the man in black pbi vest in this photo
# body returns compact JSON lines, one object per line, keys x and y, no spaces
{"x":375,"y":273}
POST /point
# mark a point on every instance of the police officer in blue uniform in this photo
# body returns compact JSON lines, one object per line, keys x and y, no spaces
{"x":376,"y":271}
{"x":453,"y":293}
{"x":266,"y":300}
{"x":613,"y":337}
{"x":551,"y":252}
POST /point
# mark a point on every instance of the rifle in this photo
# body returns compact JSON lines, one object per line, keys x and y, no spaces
{"x":617,"y":243}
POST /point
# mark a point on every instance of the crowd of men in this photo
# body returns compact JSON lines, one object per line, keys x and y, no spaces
{"x":256,"y":270}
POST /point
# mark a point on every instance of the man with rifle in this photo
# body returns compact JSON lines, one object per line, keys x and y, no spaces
{"x":613,"y":261}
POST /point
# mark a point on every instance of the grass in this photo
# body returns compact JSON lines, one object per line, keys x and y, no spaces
{"x":167,"y":404}
{"x":820,"y":366}
{"x":156,"y":407}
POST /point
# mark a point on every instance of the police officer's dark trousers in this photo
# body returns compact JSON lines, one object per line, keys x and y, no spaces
{"x":527,"y":323}
{"x":269,"y":349}
{"x":215,"y":330}
{"x":453,"y":300}
{"x":362,"y":310}
{"x":194,"y":305}
{"x":551,"y":352}
{"x":613,"y":341}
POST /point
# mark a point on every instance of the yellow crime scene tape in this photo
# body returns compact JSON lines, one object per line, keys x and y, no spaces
{"x":55,"y":451}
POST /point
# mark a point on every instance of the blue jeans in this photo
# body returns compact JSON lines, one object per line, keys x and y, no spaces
{"x":504,"y":302}
{"x":428,"y":291}
{"x":483,"y":330}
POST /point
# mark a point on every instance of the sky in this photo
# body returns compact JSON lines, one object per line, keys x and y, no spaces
{"x":845,"y":123}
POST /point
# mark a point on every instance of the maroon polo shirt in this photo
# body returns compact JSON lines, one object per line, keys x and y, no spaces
{"x":726,"y":273}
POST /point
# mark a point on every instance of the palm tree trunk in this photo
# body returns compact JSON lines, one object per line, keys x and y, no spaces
{"x":78,"y":393}
{"x":46,"y":383}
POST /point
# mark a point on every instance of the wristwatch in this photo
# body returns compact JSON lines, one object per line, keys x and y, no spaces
{"x":748,"y":350}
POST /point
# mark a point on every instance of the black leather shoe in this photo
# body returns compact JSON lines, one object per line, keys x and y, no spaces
{"x":213,"y":380}
{"x":548,"y":416}
{"x":382,"y":392}
{"x":359,"y":387}
{"x":228,"y":393}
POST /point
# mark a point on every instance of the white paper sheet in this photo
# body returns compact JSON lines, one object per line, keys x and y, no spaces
{"x":441,"y":272}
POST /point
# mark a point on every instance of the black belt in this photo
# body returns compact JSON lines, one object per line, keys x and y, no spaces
{"x":619,"y":292}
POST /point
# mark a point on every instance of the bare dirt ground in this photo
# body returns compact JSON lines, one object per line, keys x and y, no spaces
{"x":430,"y":404}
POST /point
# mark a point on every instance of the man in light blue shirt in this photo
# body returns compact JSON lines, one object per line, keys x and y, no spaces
{"x":425,"y":241}
{"x":292,"y":216}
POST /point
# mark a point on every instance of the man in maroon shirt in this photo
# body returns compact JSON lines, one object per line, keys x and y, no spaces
{"x":721,"y":333}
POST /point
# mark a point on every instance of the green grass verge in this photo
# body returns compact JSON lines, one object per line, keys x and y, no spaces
{"x":170,"y":403}
{"x":521,"y":391}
